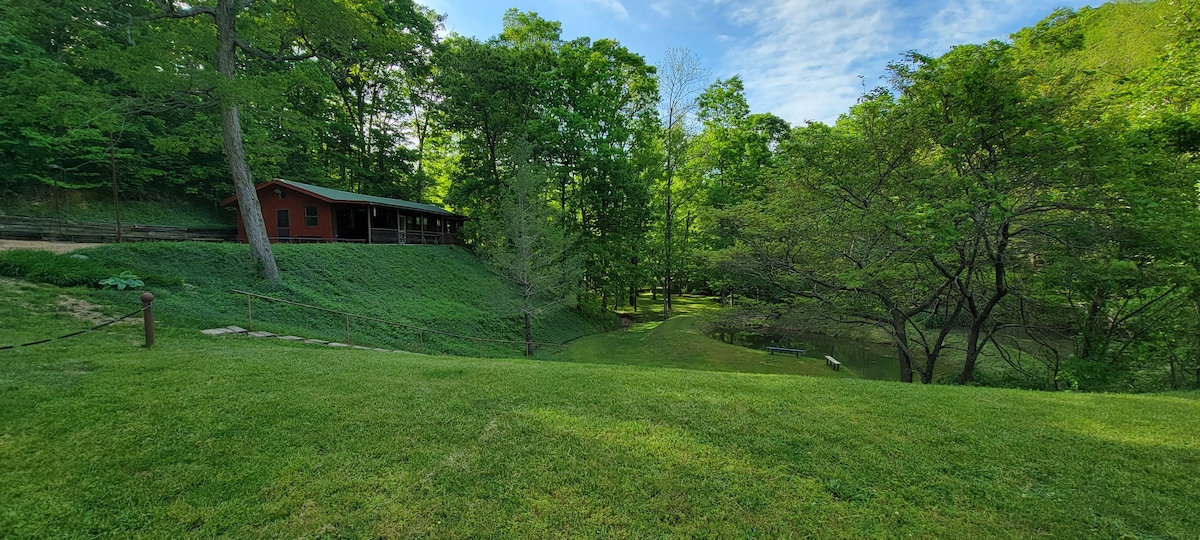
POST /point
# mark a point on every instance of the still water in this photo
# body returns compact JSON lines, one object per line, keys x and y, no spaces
{"x":868,"y":360}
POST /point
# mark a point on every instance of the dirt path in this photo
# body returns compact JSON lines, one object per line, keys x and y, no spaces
{"x":56,"y":247}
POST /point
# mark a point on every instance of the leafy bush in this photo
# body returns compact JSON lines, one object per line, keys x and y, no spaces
{"x":46,"y":267}
{"x":123,"y":281}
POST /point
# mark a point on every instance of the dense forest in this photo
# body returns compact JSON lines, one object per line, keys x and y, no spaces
{"x":1018,"y":213}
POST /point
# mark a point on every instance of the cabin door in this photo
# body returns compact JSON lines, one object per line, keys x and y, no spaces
{"x":283,"y":223}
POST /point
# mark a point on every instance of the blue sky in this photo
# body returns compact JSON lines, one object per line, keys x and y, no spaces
{"x":800,"y":59}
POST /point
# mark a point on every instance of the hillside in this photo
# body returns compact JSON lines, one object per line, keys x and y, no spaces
{"x":442,"y":288}
{"x":207,"y":437}
{"x":1108,"y":43}
{"x":677,"y":343}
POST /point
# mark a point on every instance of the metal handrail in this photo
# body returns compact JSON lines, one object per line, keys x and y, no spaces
{"x":420,"y":330}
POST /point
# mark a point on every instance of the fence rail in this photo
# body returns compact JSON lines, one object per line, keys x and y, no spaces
{"x":421,"y":331}
{"x":146,"y":311}
{"x":27,"y":228}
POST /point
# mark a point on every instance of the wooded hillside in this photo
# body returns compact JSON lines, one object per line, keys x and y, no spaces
{"x":1026,"y":209}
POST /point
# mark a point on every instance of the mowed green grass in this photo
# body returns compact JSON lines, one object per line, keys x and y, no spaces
{"x":676,"y":343}
{"x":237,"y":437}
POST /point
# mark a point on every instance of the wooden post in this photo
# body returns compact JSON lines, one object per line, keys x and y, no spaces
{"x":348,"y":329}
{"x":249,"y":313}
{"x":148,"y":317}
{"x":421,"y":339}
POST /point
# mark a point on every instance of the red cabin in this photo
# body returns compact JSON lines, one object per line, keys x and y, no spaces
{"x":297,"y":212}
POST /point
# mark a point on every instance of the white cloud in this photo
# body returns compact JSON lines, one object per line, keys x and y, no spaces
{"x":614,"y":6}
{"x":662,"y":8}
{"x":801,"y":58}
{"x":975,"y":21}
{"x":810,"y":59}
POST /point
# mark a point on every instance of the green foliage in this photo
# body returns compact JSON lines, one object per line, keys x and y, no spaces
{"x":998,"y":190}
{"x":55,"y":269}
{"x":123,"y":281}
{"x":585,"y":108}
{"x":524,"y":242}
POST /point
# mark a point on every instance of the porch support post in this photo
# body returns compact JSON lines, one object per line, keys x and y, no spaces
{"x":399,"y":226}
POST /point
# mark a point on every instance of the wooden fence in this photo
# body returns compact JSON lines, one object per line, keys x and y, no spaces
{"x":24,"y":228}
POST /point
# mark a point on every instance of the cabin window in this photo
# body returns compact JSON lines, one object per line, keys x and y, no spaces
{"x":310,"y":216}
{"x":410,"y":220}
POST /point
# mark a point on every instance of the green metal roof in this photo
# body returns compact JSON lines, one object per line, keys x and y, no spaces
{"x":339,"y":196}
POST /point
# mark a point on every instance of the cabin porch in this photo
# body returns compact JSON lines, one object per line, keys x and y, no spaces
{"x":384,"y":225}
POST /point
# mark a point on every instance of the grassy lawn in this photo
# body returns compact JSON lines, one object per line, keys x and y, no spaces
{"x":204,"y":437}
{"x":677,"y":343}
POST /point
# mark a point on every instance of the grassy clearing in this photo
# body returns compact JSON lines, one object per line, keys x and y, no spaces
{"x":676,"y":343}
{"x":205,"y":437}
{"x":444,"y":288}
{"x":650,"y":309}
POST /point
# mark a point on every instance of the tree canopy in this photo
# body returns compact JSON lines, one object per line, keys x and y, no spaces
{"x":1018,"y":212}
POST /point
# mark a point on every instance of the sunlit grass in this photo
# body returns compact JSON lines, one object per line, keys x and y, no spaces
{"x":676,"y":343}
{"x":238,"y":437}
{"x":650,"y":307}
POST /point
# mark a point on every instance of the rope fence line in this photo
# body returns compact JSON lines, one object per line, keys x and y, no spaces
{"x":143,"y":309}
{"x":421,"y":331}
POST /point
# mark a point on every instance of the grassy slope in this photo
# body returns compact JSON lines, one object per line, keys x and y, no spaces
{"x":204,"y":437}
{"x":677,"y":344}
{"x":445,"y":288}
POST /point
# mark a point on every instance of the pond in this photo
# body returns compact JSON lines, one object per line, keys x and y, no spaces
{"x":868,"y":360}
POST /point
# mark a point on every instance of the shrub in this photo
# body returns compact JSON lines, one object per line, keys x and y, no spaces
{"x":46,"y":267}
{"x":123,"y":280}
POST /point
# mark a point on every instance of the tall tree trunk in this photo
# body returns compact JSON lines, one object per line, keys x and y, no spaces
{"x":112,"y":162}
{"x":900,"y":334}
{"x":667,"y":258}
{"x":528,"y":334}
{"x":979,"y":317}
{"x":235,"y":153}
{"x":973,"y":349}
{"x":975,"y":331}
